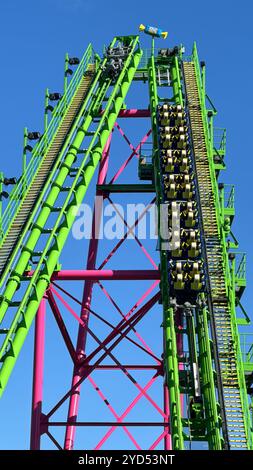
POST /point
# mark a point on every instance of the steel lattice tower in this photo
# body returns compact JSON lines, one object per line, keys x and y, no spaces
{"x":169,"y":325}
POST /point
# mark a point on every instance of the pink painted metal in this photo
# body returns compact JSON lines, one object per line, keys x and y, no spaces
{"x":134,"y":113}
{"x":86,"y":302}
{"x":120,"y":332}
{"x":128,"y":160}
{"x":38,"y":367}
{"x":107,"y":275}
{"x":126,"y":412}
{"x":86,"y":363}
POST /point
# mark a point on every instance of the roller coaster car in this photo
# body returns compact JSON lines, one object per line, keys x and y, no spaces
{"x":170,"y":108}
{"x":189,"y":214}
{"x":175,"y":119}
{"x":169,"y":52}
{"x":118,"y":52}
{"x":177,"y":276}
{"x":178,"y":186}
{"x":174,"y":141}
{"x":191,"y":242}
{"x":173,"y":130}
{"x":175,"y":165}
{"x":197,"y":417}
{"x":113,"y":68}
{"x":186,"y":274}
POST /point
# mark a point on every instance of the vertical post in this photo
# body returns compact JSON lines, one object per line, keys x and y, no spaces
{"x":222,"y":202}
{"x":38,"y":367}
{"x":153,"y":47}
{"x":176,"y":82}
{"x":24,"y":162}
{"x":86,"y":302}
{"x":210,"y":128}
{"x":203,"y":80}
{"x":66,"y":66}
{"x":46,"y":110}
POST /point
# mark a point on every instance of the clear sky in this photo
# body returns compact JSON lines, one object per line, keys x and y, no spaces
{"x":34,"y":37}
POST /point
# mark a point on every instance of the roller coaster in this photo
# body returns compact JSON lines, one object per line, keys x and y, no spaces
{"x":205,"y":367}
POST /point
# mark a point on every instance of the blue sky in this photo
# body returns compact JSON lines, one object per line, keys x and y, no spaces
{"x":34,"y":37}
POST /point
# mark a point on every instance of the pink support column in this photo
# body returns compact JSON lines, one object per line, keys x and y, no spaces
{"x":86,"y":302}
{"x":167,"y":437}
{"x":39,"y":343}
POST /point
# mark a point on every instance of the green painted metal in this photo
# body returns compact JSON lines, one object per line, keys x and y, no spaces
{"x":199,"y":331}
{"x":40,"y":280}
{"x":230,"y":285}
{"x":171,"y":360}
{"x":239,"y":364}
{"x":176,"y":81}
{"x":213,"y":423}
{"x":89,"y":107}
{"x":246,"y":340}
{"x":41,"y":148}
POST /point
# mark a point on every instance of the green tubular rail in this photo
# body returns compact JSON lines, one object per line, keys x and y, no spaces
{"x":41,"y":277}
{"x":43,"y":145}
{"x":230,"y":292}
{"x":240,"y":366}
{"x":213,"y":423}
{"x":228,"y":282}
{"x":171,"y":360}
{"x":176,"y":81}
{"x":89,"y":104}
{"x":205,"y":354}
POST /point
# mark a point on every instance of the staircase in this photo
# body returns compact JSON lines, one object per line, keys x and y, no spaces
{"x":31,"y":196}
{"x":233,"y":406}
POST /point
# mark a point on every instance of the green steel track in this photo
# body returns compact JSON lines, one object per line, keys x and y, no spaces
{"x":52,"y":239}
{"x":208,"y":374}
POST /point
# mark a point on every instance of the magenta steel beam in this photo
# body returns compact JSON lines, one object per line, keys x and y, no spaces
{"x":142,"y":247}
{"x":116,"y":247}
{"x":125,"y":329}
{"x":38,"y":369}
{"x":147,"y":351}
{"x":124,"y":136}
{"x":108,"y":423}
{"x":140,"y":338}
{"x":128,"y":160}
{"x":134,"y":113}
{"x":126,"y":366}
{"x":128,"y":315}
{"x":102,"y":346}
{"x":110,"y":407}
{"x":61,"y":326}
{"x":106,"y":275}
{"x":86,"y":302}
{"x":158,"y":440}
{"x":126,"y":412}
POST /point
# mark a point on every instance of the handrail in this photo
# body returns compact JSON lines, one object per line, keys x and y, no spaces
{"x":147,"y":53}
{"x":229,"y":196}
{"x":42,"y":146}
{"x":246,"y":340}
{"x":220,"y":138}
{"x":241,"y":266}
